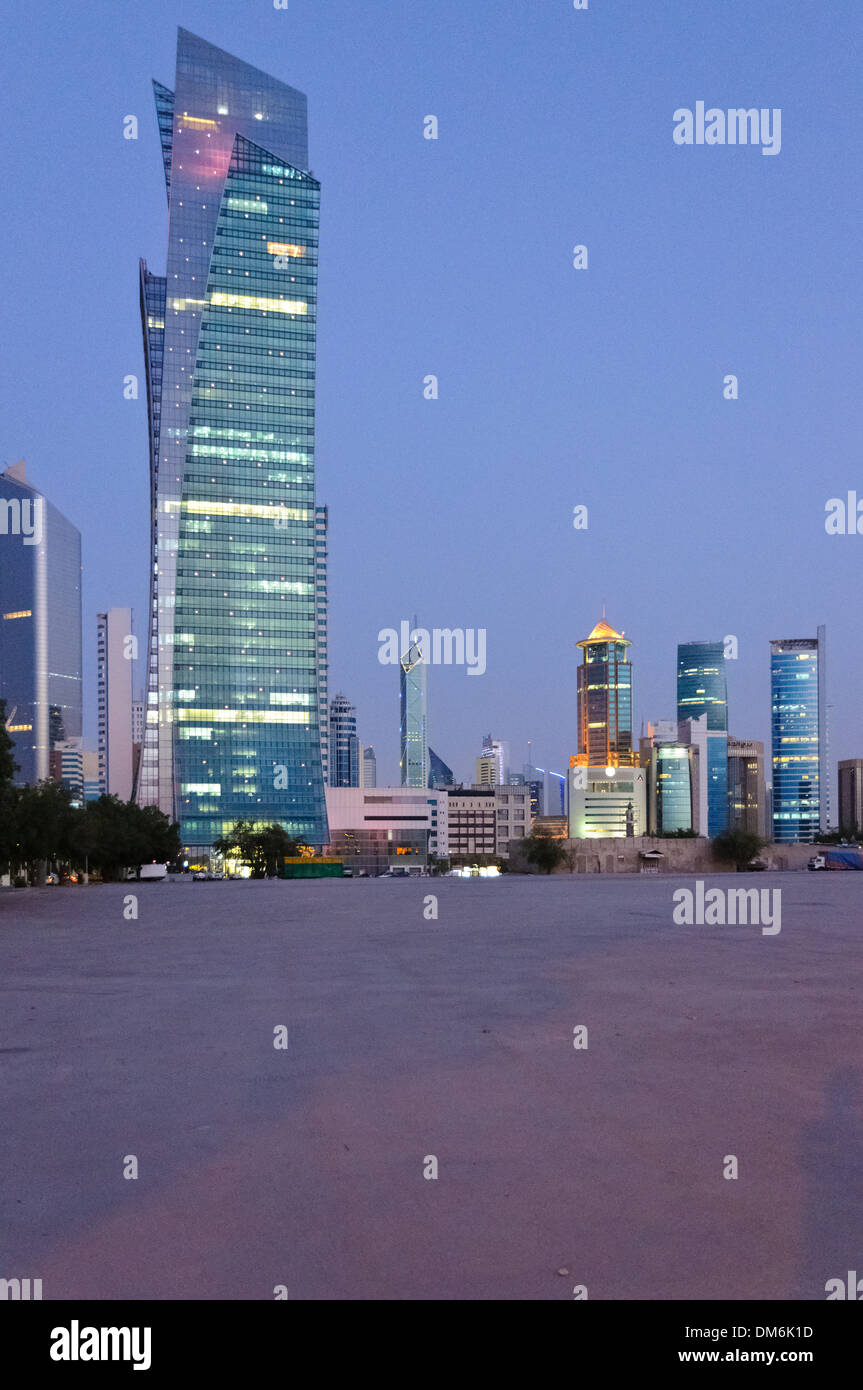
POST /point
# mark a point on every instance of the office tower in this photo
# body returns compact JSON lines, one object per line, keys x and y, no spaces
{"x":605,"y":700}
{"x":40,"y":624}
{"x":233,"y":722}
{"x":693,"y":733}
{"x":344,"y":744}
{"x":368,"y":767}
{"x":851,"y":795}
{"x":322,"y":521}
{"x":66,"y":763}
{"x":439,"y":774}
{"x":799,"y":736}
{"x":671,"y":764}
{"x":701,"y":689}
{"x":495,"y":751}
{"x":487,"y":770}
{"x":414,"y":760}
{"x":114,"y":655}
{"x":746,"y":796}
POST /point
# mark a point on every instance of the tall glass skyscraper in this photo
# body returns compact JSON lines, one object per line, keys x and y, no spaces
{"x":605,"y":700}
{"x":414,"y":760}
{"x":40,"y":624}
{"x":702,"y":689}
{"x":799,"y":731}
{"x":233,"y":724}
{"x":344,"y":746}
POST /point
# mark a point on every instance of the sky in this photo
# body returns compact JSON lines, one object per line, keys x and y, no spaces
{"x":558,"y":387}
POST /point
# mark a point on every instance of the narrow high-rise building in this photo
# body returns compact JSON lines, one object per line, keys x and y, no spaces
{"x":233,"y":702}
{"x":851,"y":795}
{"x":322,"y":521}
{"x":413,"y":691}
{"x":747,"y":802}
{"x":344,"y":744}
{"x":702,"y":689}
{"x":114,"y":660}
{"x":40,"y":624}
{"x":605,"y":700}
{"x":607,"y":788}
{"x":492,"y":766}
{"x":799,"y":735}
{"x":368,"y":768}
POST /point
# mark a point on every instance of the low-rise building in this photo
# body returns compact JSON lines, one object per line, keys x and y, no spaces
{"x":385,"y":827}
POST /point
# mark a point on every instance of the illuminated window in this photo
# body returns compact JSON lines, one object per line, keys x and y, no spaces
{"x":254,"y":301}
{"x":285,"y":248}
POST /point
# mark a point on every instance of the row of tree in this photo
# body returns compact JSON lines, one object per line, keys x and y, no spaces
{"x":40,"y":827}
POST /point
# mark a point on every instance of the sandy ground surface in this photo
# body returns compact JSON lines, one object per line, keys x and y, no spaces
{"x":410,"y":1038}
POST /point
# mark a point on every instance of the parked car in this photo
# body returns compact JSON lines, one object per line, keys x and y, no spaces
{"x":347,"y":873}
{"x":757,"y":866}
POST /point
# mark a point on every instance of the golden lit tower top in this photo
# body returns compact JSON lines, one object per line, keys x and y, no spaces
{"x":605,"y":700}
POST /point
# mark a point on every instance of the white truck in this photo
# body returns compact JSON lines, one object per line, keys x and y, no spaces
{"x":154,"y":872}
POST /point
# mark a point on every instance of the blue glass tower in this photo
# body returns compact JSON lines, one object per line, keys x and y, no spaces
{"x":40,"y":624}
{"x":233,"y":713}
{"x":799,"y":732}
{"x":702,"y":689}
{"x":414,"y":760}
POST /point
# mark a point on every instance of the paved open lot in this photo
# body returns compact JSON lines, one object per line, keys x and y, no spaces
{"x":409,"y":1038}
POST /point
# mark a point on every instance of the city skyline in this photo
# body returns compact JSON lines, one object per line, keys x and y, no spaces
{"x":766,"y":441}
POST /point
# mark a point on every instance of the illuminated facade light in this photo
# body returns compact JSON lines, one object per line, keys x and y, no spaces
{"x":285,"y":248}
{"x":258,"y":301}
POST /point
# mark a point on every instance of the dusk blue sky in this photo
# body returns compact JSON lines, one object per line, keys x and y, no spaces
{"x":557,"y":387}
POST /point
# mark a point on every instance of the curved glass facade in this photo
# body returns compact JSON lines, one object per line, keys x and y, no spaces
{"x":233,"y":724}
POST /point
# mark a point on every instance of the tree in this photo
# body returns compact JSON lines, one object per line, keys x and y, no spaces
{"x":262,"y":847}
{"x":543,"y":852}
{"x":8,"y":794}
{"x":113,"y":835}
{"x":43,"y":826}
{"x":738,"y":847}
